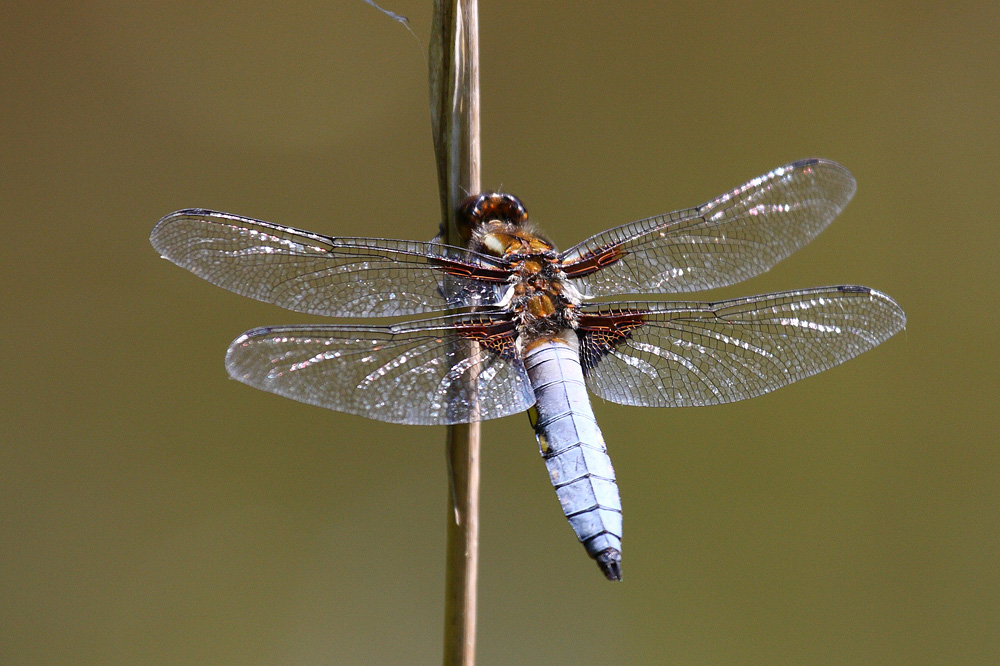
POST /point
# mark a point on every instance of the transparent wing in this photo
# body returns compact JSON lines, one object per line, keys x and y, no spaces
{"x":323,"y":275}
{"x":682,"y":354}
{"x":418,"y":373}
{"x":729,"y":239}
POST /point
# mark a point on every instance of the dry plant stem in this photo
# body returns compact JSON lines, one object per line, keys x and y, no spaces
{"x":454,"y":98}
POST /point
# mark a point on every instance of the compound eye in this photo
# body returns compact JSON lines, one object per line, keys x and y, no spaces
{"x":489,"y":206}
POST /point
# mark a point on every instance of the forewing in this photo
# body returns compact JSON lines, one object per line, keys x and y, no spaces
{"x":682,"y":354}
{"x":420,"y":373}
{"x":729,"y":239}
{"x":324,"y":275}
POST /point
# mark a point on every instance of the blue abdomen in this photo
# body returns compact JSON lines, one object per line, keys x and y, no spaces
{"x":573,"y":448}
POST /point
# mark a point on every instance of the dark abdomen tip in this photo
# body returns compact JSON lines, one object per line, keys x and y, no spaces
{"x":610,"y":561}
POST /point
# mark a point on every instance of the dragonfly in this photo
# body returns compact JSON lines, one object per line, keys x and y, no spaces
{"x":525,"y":329}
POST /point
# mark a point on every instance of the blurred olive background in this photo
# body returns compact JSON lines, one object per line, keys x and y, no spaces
{"x":154,"y":512}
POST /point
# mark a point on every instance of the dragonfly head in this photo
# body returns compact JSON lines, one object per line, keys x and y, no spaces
{"x":488,"y":207}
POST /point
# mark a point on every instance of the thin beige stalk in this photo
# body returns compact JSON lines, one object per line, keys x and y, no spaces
{"x":454,"y":98}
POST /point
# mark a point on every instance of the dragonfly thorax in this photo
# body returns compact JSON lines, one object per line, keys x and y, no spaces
{"x":504,"y":239}
{"x":542,"y":301}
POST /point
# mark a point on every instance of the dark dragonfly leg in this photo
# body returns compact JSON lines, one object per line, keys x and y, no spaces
{"x":573,"y":448}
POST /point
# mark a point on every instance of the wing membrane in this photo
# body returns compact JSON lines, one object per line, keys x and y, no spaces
{"x":735,"y":236}
{"x":682,"y":354}
{"x":323,"y":275}
{"x":418,"y":373}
